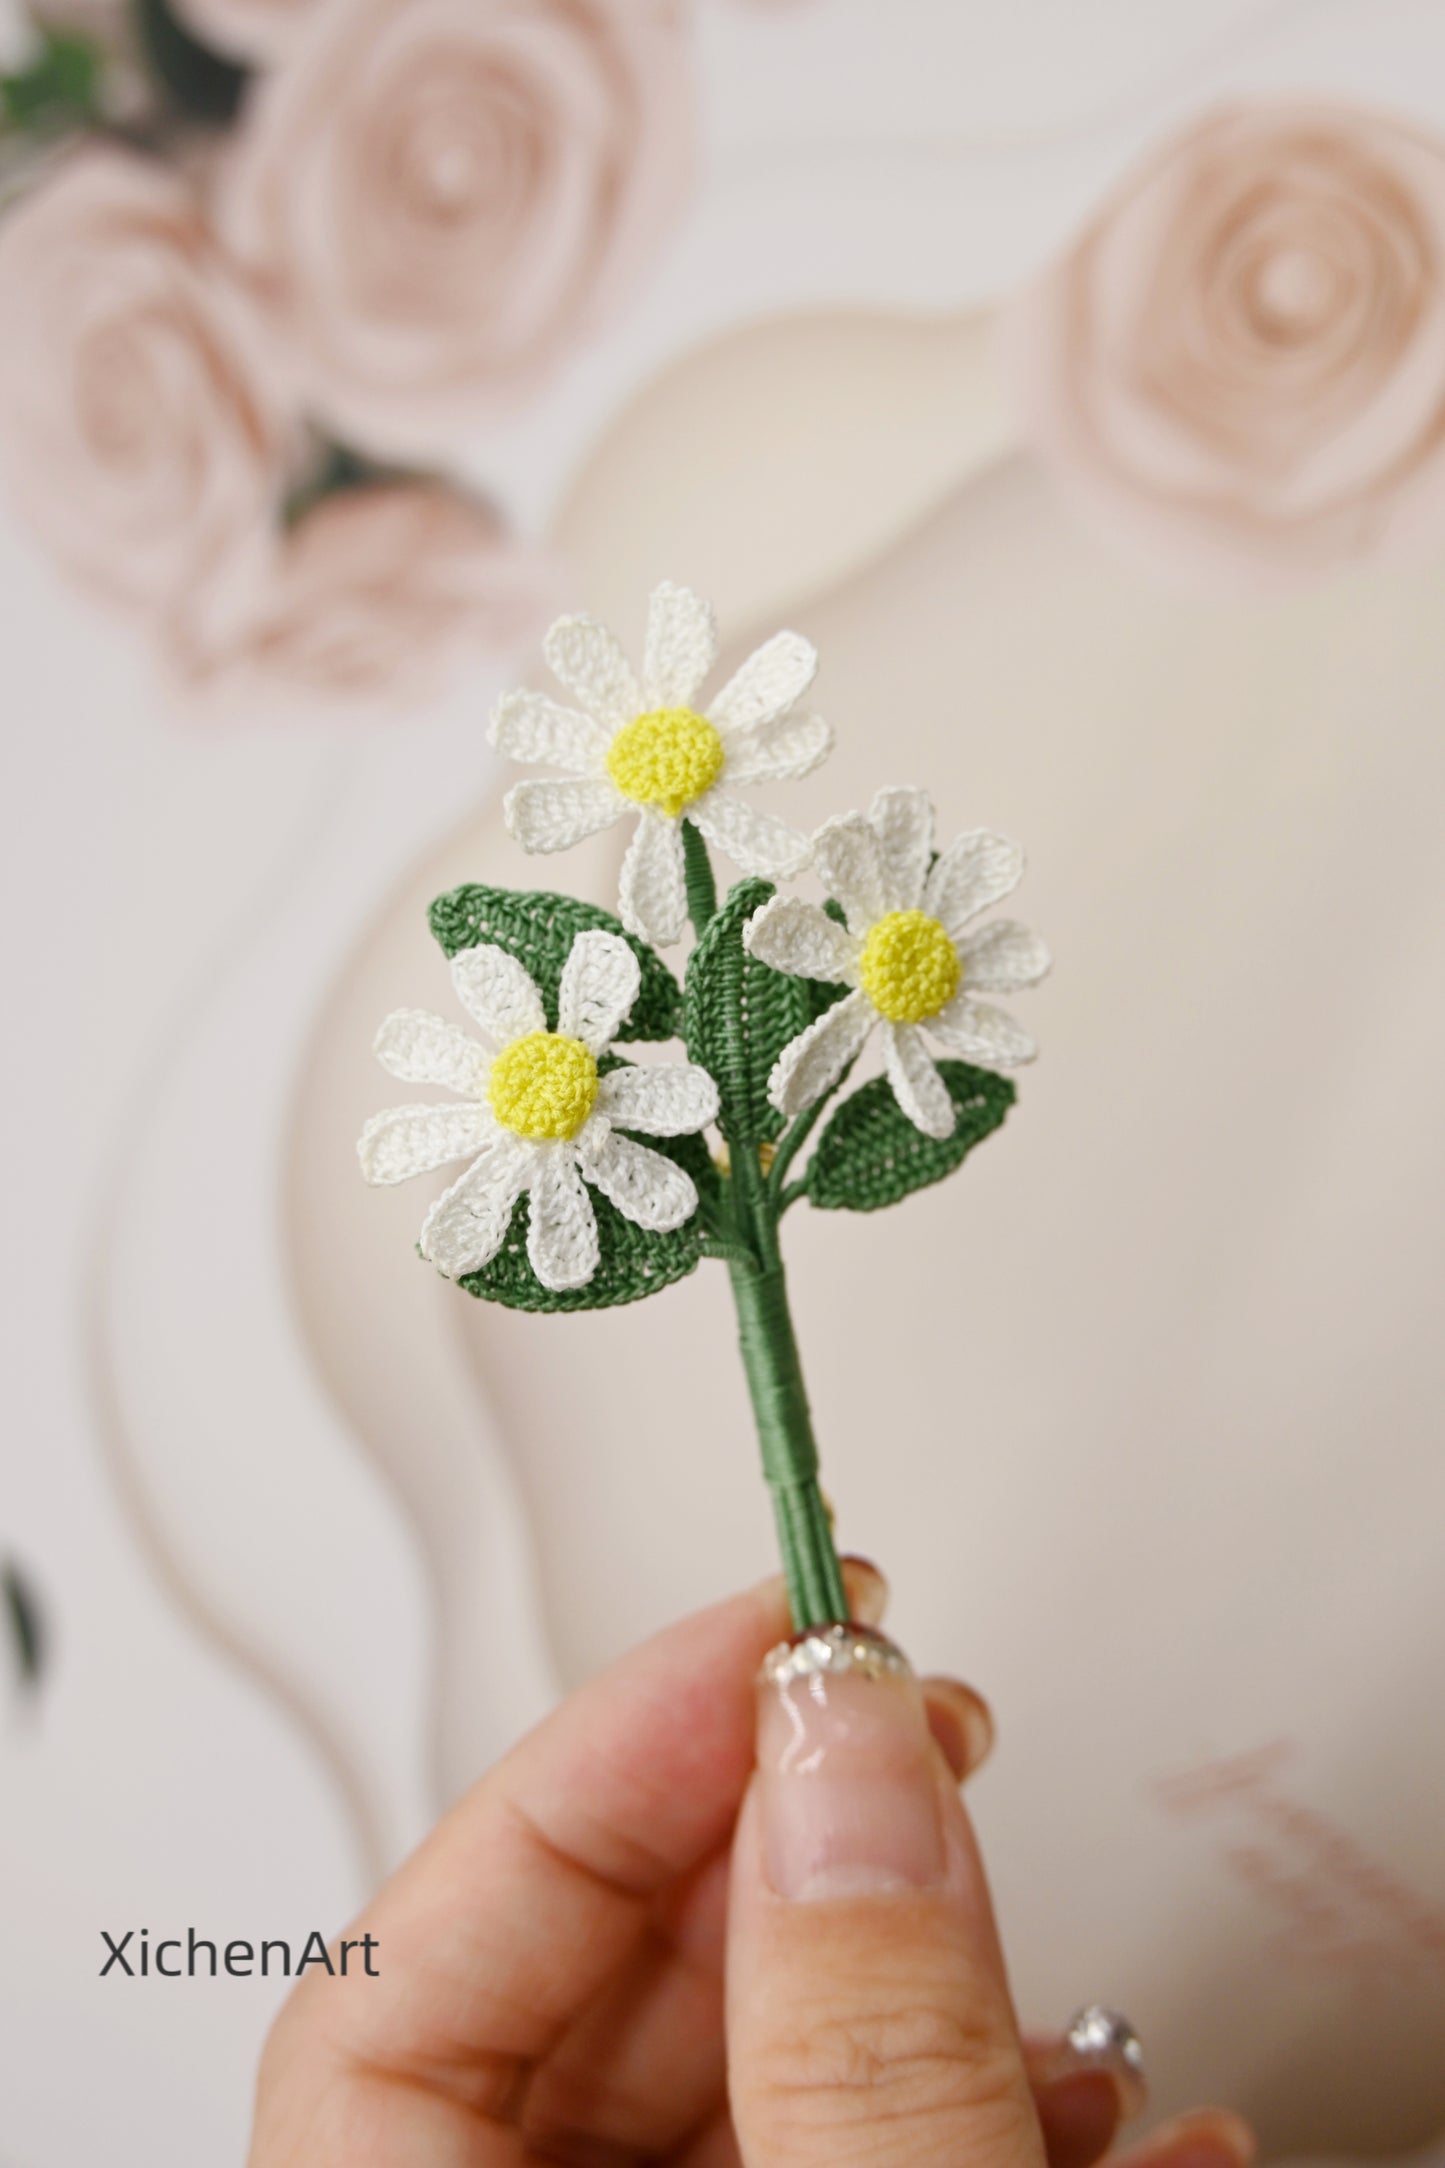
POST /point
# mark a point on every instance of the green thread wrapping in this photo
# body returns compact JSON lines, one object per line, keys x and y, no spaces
{"x":789,"y":1450}
{"x":738,"y":1015}
{"x":871,"y":1155}
{"x":698,"y":878}
{"x":780,"y":1403}
{"x":538,"y":929}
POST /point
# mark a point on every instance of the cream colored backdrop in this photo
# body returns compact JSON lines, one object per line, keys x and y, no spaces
{"x":1142,"y":1416}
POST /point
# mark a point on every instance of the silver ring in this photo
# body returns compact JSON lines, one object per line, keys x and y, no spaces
{"x":1100,"y":2035}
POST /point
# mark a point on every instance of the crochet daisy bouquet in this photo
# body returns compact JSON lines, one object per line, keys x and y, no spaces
{"x":562,"y":1205}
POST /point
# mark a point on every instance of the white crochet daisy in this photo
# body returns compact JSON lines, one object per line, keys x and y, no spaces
{"x":907,"y":954}
{"x":534,"y":1114}
{"x":646,"y":747}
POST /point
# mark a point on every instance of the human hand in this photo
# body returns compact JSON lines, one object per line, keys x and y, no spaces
{"x":626,"y":1945}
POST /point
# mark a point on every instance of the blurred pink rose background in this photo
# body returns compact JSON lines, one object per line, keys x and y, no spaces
{"x":254,"y":31}
{"x":399,"y":230}
{"x":1241,"y":362}
{"x":436,"y":199}
{"x":383,"y":591}
{"x":138,"y":429}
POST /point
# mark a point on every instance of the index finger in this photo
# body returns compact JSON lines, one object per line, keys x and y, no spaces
{"x":538,"y":1886}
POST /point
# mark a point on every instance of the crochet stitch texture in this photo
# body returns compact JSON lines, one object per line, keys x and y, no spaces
{"x":587,"y":1180}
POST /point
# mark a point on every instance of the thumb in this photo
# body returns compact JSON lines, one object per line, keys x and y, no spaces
{"x":868,"y":2015}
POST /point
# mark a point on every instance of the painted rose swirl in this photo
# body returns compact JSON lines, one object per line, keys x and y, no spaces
{"x":1242,"y":361}
{"x":436,"y":199}
{"x":137,"y":426}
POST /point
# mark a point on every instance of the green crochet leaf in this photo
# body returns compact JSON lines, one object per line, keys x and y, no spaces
{"x":634,"y":1263}
{"x":871,"y":1155}
{"x":738,"y":1015}
{"x":538,"y":929}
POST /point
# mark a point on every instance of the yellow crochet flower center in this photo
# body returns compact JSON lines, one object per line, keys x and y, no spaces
{"x":543,"y":1085}
{"x":909,"y":967}
{"x":665,"y":759}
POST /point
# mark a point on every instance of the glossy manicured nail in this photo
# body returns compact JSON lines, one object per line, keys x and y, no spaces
{"x":849,"y":1799}
{"x":962,"y":1723}
{"x":1086,"y":2083}
{"x":868,"y":1591}
{"x":1102,"y":2040}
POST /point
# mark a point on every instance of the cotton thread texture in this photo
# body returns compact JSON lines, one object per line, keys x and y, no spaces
{"x":666,"y":759}
{"x":789,"y":1451}
{"x":906,"y":949}
{"x":562,"y":1204}
{"x":871,"y":1155}
{"x":909,"y":968}
{"x":538,"y":1118}
{"x":539,"y":929}
{"x":648,"y":745}
{"x":543,"y":1085}
{"x":738,"y":1016}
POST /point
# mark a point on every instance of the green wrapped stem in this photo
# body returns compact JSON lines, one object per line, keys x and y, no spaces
{"x":721,"y":1027}
{"x":790,"y":1452}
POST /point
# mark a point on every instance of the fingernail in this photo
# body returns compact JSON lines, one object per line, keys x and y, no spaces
{"x":867,"y":1587}
{"x":1209,"y":2138}
{"x":1078,"y":2115}
{"x":962,"y":1723}
{"x":849,"y":1803}
{"x":1086,"y":2083}
{"x":1101,"y":2039}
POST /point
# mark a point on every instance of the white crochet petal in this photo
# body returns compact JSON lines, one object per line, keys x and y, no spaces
{"x":646,"y":1188}
{"x":1003,"y":957}
{"x":780,"y":751}
{"x":767,"y":684}
{"x":917,"y":1085}
{"x":681,"y":647}
{"x":551,"y":814}
{"x":405,"y":1141}
{"x":976,"y":870}
{"x":848,"y":860}
{"x":562,"y":1246}
{"x":813,"y":1062}
{"x":583,"y":656}
{"x":799,"y":937}
{"x":496,"y":991}
{"x":758,"y":842}
{"x":669,"y":1101}
{"x":652,"y":892}
{"x":903,"y":821}
{"x":529,"y":726}
{"x":468,"y":1224}
{"x":976,"y":1031}
{"x":599,"y":984}
{"x":424,"y":1049}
